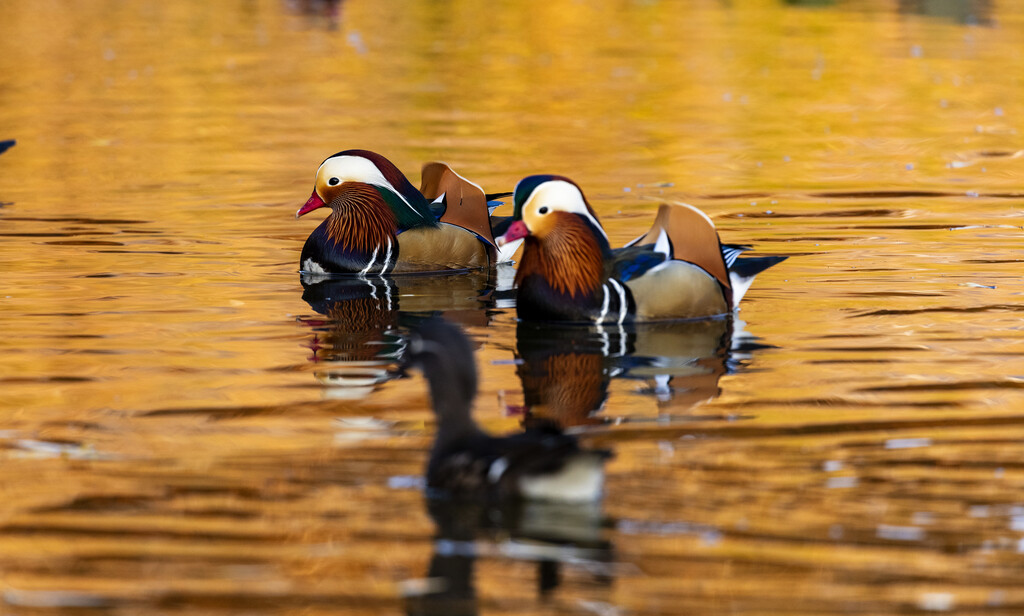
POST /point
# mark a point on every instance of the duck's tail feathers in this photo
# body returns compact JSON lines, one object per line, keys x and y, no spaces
{"x":495,"y":198}
{"x":743,"y":271}
{"x":731,"y":252}
{"x":6,"y":145}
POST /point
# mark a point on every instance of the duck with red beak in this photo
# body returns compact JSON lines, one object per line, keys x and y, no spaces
{"x":677,"y":270}
{"x":380,"y":224}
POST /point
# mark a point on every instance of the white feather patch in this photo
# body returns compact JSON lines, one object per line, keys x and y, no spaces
{"x":507,"y":250}
{"x":663,"y":245}
{"x":355,"y":169}
{"x":373,"y":258}
{"x":312,"y":267}
{"x":604,"y":304}
{"x":623,"y":304}
{"x":497,"y":469}
{"x":562,"y":196}
{"x":739,"y":287}
{"x":731,"y":254}
{"x":387,"y":258}
{"x":580,"y":480}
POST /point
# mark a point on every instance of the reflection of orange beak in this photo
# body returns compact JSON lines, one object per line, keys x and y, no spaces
{"x":314,"y":202}
{"x":516,"y":231}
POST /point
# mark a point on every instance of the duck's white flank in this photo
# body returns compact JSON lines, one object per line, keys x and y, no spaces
{"x":580,"y":480}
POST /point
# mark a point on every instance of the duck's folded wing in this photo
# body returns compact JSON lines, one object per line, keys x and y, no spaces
{"x":634,"y":261}
{"x":693,"y":239}
{"x":464,"y":203}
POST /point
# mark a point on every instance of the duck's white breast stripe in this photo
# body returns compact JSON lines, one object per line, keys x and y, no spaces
{"x":373,"y":258}
{"x":604,"y":304}
{"x":387,"y":258}
{"x":605,"y":343}
{"x":623,"y":304}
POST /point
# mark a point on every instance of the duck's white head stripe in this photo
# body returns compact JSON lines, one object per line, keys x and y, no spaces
{"x":562,"y":196}
{"x":355,"y":169}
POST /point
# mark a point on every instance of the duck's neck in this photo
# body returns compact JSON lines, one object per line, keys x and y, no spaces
{"x":361,"y":221}
{"x":569,"y":258}
{"x":452,"y":399}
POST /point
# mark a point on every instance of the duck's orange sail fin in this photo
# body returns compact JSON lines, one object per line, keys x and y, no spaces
{"x":466,"y":202}
{"x":693,"y":239}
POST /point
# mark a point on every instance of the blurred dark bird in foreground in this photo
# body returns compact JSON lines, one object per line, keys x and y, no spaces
{"x":541,"y":463}
{"x":327,"y":9}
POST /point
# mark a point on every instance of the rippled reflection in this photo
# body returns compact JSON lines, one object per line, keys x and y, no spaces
{"x":566,"y":370}
{"x":553,"y":536}
{"x":166,"y":447}
{"x":359,"y":337}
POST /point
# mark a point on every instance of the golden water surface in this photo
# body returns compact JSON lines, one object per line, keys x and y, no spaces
{"x":185,"y":429}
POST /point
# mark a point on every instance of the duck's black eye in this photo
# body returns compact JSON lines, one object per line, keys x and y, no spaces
{"x":543,"y":210}
{"x":333,"y":181}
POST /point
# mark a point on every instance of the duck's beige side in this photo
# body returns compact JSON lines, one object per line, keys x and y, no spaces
{"x":677,"y":290}
{"x":694,"y":239}
{"x":442,"y":247}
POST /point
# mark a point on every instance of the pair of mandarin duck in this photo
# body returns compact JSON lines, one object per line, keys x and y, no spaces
{"x":380,"y":224}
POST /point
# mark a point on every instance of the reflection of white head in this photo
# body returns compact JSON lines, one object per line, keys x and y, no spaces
{"x":561,"y":196}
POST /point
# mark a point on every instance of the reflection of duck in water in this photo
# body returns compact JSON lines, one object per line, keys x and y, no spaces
{"x":357,"y":342}
{"x":568,"y":271}
{"x":538,"y":490}
{"x":566,"y":370}
{"x":554,"y":535}
{"x":379,"y":223}
{"x":465,"y":462}
{"x":329,"y":9}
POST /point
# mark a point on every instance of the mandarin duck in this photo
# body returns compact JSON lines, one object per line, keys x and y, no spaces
{"x":379,"y":223}
{"x":569,"y":272}
{"x":541,"y":463}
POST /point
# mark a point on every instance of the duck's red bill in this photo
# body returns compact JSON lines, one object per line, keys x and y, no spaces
{"x":314,"y":202}
{"x":516,"y":231}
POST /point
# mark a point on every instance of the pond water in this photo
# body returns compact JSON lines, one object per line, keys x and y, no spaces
{"x":185,"y":428}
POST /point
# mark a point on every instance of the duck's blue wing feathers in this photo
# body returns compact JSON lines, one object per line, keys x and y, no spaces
{"x":634,"y":261}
